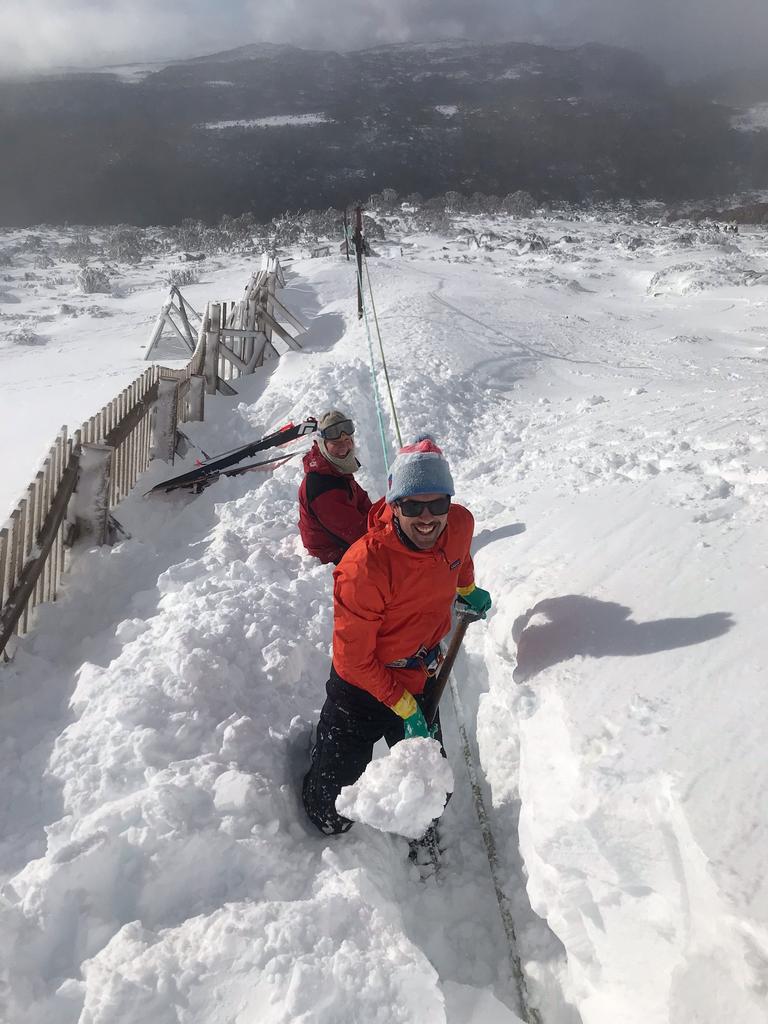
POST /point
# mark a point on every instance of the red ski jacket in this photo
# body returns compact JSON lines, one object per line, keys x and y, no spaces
{"x":333,"y":508}
{"x":390,"y":600}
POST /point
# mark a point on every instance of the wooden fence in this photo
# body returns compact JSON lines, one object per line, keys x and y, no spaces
{"x":180,"y":316}
{"x":241,"y":334}
{"x":84,"y":476}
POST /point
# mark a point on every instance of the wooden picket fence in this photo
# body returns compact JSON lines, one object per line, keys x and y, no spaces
{"x":86,"y":475}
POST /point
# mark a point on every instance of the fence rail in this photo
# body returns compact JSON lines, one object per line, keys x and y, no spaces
{"x":243,"y":333}
{"x":85,"y":476}
{"x":81,"y":479}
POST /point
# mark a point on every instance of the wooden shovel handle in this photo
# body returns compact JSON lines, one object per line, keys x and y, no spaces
{"x":433,"y":701}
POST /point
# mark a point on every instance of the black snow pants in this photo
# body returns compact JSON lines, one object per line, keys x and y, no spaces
{"x":351,"y":722}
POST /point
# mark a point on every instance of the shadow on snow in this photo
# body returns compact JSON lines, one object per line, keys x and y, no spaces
{"x":580,"y":625}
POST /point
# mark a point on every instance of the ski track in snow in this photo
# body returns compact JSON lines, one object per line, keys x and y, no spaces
{"x":602,"y":402}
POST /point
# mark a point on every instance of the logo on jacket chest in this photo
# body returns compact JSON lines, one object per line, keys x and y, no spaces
{"x":455,"y":565}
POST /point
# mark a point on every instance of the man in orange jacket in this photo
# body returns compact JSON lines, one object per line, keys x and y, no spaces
{"x":392,"y":598}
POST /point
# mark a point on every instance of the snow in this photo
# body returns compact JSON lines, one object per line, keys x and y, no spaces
{"x":755,"y":119}
{"x":64,"y":354}
{"x":276,"y":121}
{"x":520,"y":70}
{"x":612,"y":444}
{"x":447,"y":110}
{"x":131,"y":74}
{"x":403,"y":792}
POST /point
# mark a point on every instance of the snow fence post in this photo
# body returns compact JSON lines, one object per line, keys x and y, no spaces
{"x":211,"y":366}
{"x":164,"y":412}
{"x":91,"y":498}
{"x":196,"y":398}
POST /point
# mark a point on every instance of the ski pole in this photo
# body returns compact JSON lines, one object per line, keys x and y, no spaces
{"x":432,"y":703}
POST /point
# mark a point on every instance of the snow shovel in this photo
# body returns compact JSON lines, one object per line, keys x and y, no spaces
{"x":432,"y":703}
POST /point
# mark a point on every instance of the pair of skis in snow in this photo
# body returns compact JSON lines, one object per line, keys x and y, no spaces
{"x":229,"y":463}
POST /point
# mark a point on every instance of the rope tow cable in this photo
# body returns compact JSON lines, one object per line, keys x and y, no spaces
{"x":528,"y":1013}
{"x":383,"y":357}
{"x":374,"y":380}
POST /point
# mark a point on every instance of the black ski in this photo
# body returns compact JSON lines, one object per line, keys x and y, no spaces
{"x":252,"y":466}
{"x":211,"y":469}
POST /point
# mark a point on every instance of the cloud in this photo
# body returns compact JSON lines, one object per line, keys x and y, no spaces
{"x":43,"y":34}
{"x":693,"y":35}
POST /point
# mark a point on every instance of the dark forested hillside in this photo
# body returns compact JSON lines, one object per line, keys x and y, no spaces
{"x":590,"y":122}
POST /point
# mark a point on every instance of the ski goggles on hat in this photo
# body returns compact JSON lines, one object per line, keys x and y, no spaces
{"x":334,"y":432}
{"x":438,"y":506}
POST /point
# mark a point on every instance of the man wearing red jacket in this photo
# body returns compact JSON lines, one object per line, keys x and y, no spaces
{"x":333,"y":507}
{"x":392,"y":600}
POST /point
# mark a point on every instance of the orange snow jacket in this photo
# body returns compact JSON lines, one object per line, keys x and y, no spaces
{"x":390,"y":600}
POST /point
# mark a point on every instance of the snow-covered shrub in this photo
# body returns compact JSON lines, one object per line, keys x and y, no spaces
{"x":80,"y":249}
{"x":412,"y":201}
{"x":324,"y":223}
{"x":686,"y":278}
{"x":433,"y":216}
{"x":286,"y":230}
{"x":519,"y":204}
{"x":180,"y":277}
{"x":190,"y":234}
{"x":534,"y":242}
{"x":627,"y":240}
{"x":372,"y":228}
{"x":26,"y":336}
{"x":480,"y":203}
{"x":93,"y":279}
{"x":125,"y":244}
{"x":237,"y":230}
{"x":452,"y":201}
{"x":55,"y":281}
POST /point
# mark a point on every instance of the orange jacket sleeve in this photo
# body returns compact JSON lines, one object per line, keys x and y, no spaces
{"x":359,"y":601}
{"x":467,"y":570}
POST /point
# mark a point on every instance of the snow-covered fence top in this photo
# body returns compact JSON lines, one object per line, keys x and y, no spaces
{"x":82,"y":477}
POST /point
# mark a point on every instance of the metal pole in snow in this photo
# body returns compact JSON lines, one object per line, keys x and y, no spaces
{"x":358,"y":240}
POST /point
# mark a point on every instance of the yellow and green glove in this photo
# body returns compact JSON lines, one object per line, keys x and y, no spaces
{"x":413,"y":717}
{"x":475,"y":598}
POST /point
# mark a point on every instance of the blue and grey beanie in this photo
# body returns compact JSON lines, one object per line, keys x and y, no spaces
{"x":419,"y":468}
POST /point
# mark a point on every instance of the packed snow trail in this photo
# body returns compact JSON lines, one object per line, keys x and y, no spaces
{"x":158,"y":862}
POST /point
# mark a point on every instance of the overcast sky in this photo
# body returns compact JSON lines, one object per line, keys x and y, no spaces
{"x":695,"y":35}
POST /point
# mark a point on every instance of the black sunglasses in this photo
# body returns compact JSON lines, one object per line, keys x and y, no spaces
{"x":438,"y":506}
{"x":334,"y":432}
